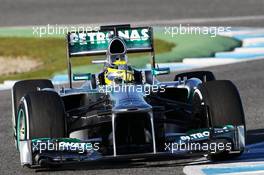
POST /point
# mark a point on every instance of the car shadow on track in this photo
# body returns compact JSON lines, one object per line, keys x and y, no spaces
{"x":125,"y":165}
{"x":255,"y":136}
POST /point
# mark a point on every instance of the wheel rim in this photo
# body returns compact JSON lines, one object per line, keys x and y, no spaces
{"x":21,"y":127}
{"x":198,"y":94}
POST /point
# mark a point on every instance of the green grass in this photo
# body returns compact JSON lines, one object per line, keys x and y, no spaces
{"x":194,"y":46}
{"x":51,"y":52}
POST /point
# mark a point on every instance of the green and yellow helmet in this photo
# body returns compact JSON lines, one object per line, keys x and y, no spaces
{"x":116,"y":68}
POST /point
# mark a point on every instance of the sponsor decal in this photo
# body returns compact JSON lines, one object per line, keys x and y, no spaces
{"x":103,"y":37}
{"x":194,"y":136}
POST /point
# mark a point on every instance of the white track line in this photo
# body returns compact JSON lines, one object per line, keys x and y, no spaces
{"x":260,"y":172}
{"x":250,"y":41}
{"x":191,"y":20}
{"x":197,"y":169}
{"x":168,"y":22}
{"x":204,"y":20}
{"x":243,"y":31}
{"x":249,"y":50}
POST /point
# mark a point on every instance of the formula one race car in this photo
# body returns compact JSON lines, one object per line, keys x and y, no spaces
{"x":123,"y":112}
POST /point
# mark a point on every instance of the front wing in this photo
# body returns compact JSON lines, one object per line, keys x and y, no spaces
{"x":46,"y":151}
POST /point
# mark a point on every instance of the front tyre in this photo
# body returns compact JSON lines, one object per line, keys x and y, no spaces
{"x":40,"y":115}
{"x":219,"y":105}
{"x":20,"y":89}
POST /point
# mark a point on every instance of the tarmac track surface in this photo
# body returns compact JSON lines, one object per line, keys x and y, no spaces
{"x":247,"y":76}
{"x":31,"y":12}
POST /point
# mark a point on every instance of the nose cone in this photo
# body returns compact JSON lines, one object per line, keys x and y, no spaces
{"x":127,"y":100}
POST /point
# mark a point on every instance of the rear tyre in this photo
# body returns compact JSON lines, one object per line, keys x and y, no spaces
{"x":93,"y":81}
{"x":202,"y":75}
{"x":41,"y":114}
{"x":20,"y":89}
{"x":149,"y":77}
{"x":138,"y":77}
{"x":223,"y":107}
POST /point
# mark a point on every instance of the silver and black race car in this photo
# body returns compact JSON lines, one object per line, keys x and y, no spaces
{"x":123,"y":112}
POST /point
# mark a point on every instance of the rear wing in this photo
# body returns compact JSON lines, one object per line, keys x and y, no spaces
{"x":137,"y":39}
{"x":91,"y":43}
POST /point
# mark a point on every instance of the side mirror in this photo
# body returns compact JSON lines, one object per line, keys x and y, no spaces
{"x":81,"y":77}
{"x":161,"y":71}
